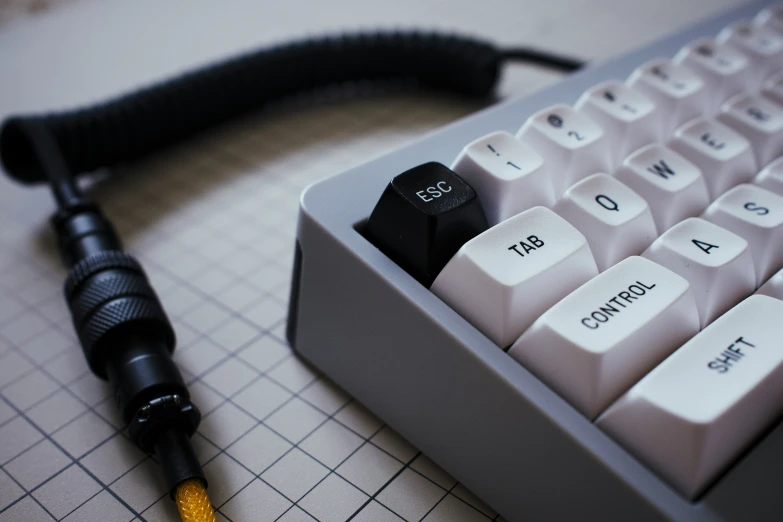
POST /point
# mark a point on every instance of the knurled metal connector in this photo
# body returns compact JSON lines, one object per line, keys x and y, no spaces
{"x":109,"y":295}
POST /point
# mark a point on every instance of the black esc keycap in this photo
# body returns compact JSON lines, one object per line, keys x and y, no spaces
{"x":423,"y":217}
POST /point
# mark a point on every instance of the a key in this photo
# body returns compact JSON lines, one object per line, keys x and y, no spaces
{"x":759,"y":120}
{"x":508,"y":175}
{"x":691,"y":416}
{"x":597,"y":342}
{"x":771,"y":177}
{"x":725,"y":70}
{"x":571,"y":143}
{"x":502,"y":280}
{"x":673,"y":186}
{"x":724,"y":156}
{"x":616,"y":221}
{"x":423,"y":217}
{"x":717,"y":263}
{"x":678,"y":93}
{"x":773,"y":287}
{"x":771,"y":17}
{"x":772,"y":88}
{"x":628,"y":118}
{"x":761,"y":45}
{"x":755,"y":214}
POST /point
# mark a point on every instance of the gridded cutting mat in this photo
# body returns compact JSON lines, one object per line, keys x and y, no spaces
{"x":213,"y":223}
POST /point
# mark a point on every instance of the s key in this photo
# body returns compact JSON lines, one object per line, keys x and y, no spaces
{"x":755,"y":214}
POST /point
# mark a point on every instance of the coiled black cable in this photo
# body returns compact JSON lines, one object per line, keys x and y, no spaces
{"x":131,"y":126}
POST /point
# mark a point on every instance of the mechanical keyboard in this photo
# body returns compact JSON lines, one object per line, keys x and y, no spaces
{"x":573,"y":302}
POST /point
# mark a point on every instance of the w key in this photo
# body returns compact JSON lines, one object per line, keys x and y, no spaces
{"x":673,"y":186}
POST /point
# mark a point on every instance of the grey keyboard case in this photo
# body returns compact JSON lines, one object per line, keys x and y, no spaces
{"x":445,"y":387}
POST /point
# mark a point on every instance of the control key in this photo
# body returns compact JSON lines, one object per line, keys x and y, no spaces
{"x":604,"y":336}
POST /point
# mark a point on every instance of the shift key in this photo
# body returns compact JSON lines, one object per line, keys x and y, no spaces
{"x":694,"y":414}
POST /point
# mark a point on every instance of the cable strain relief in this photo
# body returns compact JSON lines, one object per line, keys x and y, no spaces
{"x":82,"y":231}
{"x":177,"y":460}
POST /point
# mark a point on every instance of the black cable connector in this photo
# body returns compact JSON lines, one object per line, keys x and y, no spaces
{"x":128,"y":340}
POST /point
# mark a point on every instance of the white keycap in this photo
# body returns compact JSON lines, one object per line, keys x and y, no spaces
{"x":773,"y":88}
{"x":673,"y":186}
{"x":571,"y":143}
{"x":759,"y":120}
{"x":616,"y":221}
{"x":755,"y":214}
{"x":717,"y":263}
{"x":724,"y":156}
{"x":508,"y":176}
{"x":773,"y":287}
{"x":771,"y":17}
{"x":678,"y":93}
{"x":771,"y":177}
{"x":597,"y":342}
{"x":761,"y":45}
{"x":503,"y":279}
{"x":629,"y":118}
{"x":699,"y":409}
{"x":725,"y":70}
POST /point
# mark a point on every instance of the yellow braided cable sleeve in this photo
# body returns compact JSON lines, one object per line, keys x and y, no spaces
{"x":193,"y":502}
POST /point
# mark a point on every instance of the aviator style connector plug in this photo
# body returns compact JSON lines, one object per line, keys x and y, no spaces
{"x":128,"y":340}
